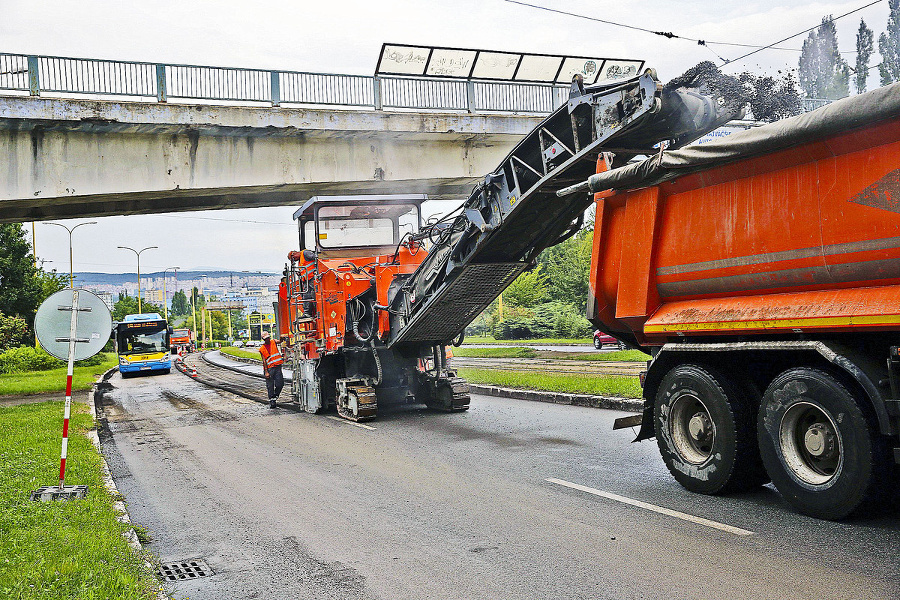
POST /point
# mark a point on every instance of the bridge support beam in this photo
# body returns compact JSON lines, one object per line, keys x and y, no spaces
{"x":69,"y":158}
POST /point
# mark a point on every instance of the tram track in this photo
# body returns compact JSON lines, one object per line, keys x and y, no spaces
{"x":246,"y":385}
{"x":251,"y":386}
{"x":555,"y":366}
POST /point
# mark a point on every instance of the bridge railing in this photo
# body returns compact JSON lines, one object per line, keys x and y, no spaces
{"x":38,"y":75}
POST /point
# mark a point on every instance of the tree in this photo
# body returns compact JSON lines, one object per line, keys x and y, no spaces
{"x":180,"y":305}
{"x":21,"y":287}
{"x":128,"y":305}
{"x":566,"y":266}
{"x":889,"y":46}
{"x":823,"y":72}
{"x":199,"y":300}
{"x":865,"y":43}
{"x":529,"y":289}
{"x":772,"y":98}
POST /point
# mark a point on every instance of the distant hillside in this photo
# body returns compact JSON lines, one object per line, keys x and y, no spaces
{"x":119,"y":279}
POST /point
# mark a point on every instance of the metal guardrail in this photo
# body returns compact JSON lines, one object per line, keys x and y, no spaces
{"x":111,"y":78}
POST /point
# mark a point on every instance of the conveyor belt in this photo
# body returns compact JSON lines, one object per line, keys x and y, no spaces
{"x":514,"y":213}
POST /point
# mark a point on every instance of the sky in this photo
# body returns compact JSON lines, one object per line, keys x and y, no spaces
{"x":345,"y":36}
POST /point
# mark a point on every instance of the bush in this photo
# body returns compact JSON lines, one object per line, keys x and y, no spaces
{"x":12,"y":332}
{"x":548,"y":320}
{"x":26,"y":358}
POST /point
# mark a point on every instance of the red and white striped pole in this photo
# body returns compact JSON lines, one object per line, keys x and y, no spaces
{"x":68,"y":410}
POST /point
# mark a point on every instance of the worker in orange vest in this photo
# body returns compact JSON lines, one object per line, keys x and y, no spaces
{"x":272,"y":361}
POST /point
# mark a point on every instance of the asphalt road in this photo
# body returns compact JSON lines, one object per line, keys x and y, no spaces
{"x":430,"y":505}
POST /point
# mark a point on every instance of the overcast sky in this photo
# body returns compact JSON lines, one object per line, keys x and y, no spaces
{"x":345,"y":36}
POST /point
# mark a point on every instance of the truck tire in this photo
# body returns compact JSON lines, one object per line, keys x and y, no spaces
{"x":822,"y":450}
{"x":705,"y":431}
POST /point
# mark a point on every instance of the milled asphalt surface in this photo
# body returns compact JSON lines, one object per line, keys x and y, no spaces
{"x":283,"y":504}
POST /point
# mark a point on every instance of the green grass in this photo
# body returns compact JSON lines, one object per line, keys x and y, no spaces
{"x":620,"y":356}
{"x":58,"y":550}
{"x":238,"y":352}
{"x":522,"y":352}
{"x":477,"y":339}
{"x":600,"y":385}
{"x":54,"y":380}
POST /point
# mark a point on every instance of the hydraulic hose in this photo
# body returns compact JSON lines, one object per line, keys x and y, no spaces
{"x":377,"y":364}
{"x":355,"y":323}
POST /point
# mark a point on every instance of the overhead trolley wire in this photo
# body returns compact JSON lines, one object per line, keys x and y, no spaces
{"x":699,"y":42}
{"x":855,"y":10}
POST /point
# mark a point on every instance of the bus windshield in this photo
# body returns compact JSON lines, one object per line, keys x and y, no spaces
{"x":144,"y":339}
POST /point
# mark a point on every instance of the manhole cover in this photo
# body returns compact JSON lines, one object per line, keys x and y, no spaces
{"x":185,"y":569}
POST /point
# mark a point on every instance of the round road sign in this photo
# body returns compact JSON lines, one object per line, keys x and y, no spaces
{"x":53,"y":322}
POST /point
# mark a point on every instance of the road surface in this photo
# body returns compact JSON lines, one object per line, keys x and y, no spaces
{"x":479,"y":504}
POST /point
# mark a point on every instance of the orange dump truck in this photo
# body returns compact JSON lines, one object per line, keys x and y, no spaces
{"x":762,"y":273}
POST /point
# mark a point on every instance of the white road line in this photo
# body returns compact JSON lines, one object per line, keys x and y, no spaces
{"x":654,"y":508}
{"x":346,"y":422}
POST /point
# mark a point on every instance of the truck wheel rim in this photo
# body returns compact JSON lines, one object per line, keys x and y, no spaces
{"x":810,"y":443}
{"x":693,"y":430}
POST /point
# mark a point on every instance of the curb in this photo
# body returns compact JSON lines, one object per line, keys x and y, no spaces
{"x":607,"y":402}
{"x":119,"y":506}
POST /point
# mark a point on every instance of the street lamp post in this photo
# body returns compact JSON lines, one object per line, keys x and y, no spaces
{"x":138,"y":254}
{"x":165,"y":292}
{"x":71,"y":274}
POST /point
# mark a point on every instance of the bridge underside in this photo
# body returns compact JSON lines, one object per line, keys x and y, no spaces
{"x":73,"y":158}
{"x":154,"y":202}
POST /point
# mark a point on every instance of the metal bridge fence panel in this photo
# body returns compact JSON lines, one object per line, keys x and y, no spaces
{"x":327,"y":89}
{"x":397,"y":92}
{"x":517,"y":97}
{"x":14,"y":72}
{"x":218,"y":83}
{"x":102,"y":77}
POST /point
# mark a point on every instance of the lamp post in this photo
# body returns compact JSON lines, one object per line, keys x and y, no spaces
{"x":165,"y":292}
{"x":138,"y":254}
{"x":71,"y":275}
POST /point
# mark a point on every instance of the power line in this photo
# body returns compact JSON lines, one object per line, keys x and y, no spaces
{"x":226,"y":220}
{"x":699,"y":42}
{"x":802,"y":32}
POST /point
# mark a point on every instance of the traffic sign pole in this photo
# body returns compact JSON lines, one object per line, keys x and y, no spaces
{"x":57,"y":325}
{"x":68,"y":409}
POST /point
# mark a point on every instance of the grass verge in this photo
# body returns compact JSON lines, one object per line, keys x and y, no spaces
{"x":54,"y":380}
{"x":540,"y":341}
{"x":599,"y":385}
{"x":230,"y":351}
{"x":522,"y":352}
{"x":58,"y":550}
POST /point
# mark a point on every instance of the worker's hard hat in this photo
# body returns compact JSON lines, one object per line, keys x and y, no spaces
{"x":266,"y":335}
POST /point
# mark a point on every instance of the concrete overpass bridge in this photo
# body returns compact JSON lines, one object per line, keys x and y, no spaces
{"x":119,"y":141}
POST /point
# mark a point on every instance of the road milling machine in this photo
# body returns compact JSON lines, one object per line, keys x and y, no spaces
{"x":372,"y":299}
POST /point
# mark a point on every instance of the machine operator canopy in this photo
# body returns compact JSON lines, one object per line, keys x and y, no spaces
{"x":341,"y":226}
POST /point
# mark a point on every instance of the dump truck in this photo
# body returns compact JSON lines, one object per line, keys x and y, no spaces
{"x":181,"y":340}
{"x":373,"y":296}
{"x":762,"y":273}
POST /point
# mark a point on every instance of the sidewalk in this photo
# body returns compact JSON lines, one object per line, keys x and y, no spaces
{"x":16,"y":399}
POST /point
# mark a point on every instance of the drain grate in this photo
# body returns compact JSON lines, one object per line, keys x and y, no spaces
{"x":185,"y":569}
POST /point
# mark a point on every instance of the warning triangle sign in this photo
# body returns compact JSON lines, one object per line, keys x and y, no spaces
{"x":883,"y":194}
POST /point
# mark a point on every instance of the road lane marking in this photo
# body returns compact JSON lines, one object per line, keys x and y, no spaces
{"x":653,"y":507}
{"x":346,"y":422}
